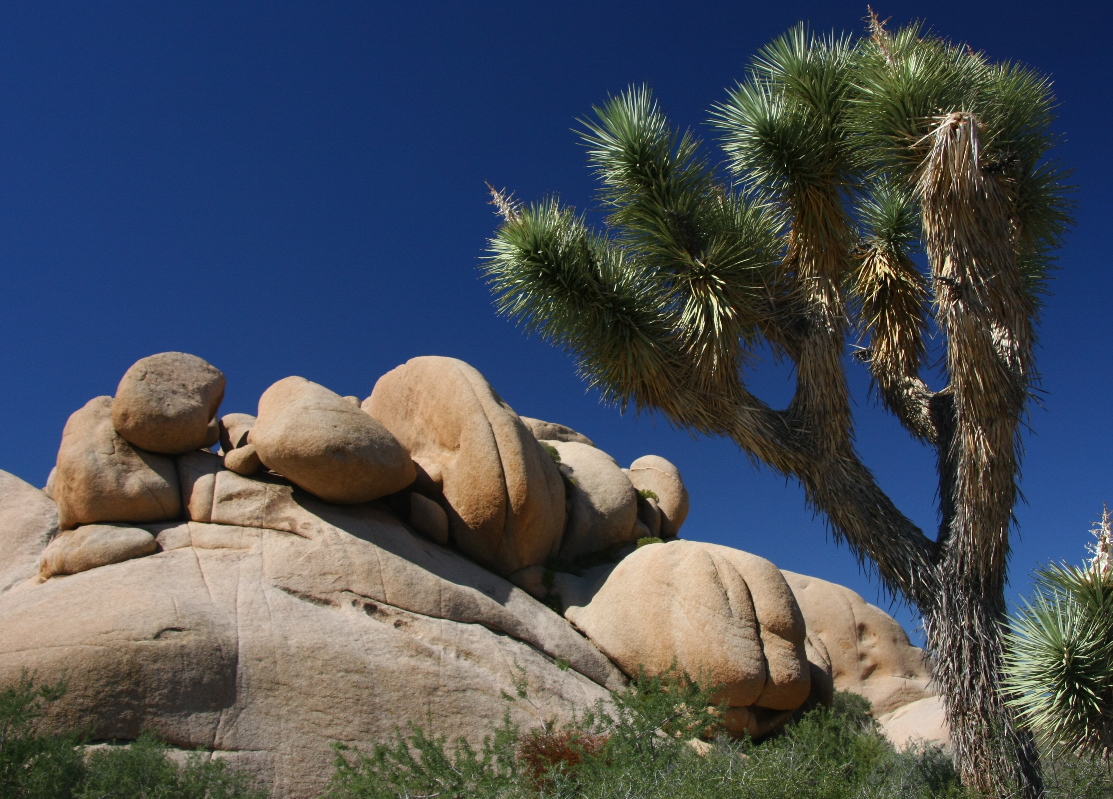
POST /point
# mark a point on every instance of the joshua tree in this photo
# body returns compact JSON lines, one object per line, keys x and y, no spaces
{"x":841,"y":156}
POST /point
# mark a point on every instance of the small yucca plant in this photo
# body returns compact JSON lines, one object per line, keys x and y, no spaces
{"x":1059,"y":655}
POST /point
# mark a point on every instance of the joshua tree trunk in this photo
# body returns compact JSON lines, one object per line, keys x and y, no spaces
{"x":994,"y":757}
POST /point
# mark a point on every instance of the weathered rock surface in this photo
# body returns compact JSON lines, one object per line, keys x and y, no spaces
{"x":28,"y":520}
{"x":654,"y":473}
{"x":92,"y":546}
{"x":272,"y":623}
{"x":604,"y":504}
{"x":234,"y":428}
{"x":269,"y":644}
{"x":870,"y":653}
{"x":722,"y":615}
{"x":923,"y":721}
{"x":103,"y":478}
{"x":649,"y":514}
{"x":243,"y":460}
{"x":167,"y":403}
{"x":428,"y":518}
{"x":551,"y":431}
{"x":321,"y":442}
{"x":504,"y":493}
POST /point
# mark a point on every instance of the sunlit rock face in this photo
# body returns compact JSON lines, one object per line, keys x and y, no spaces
{"x":339,"y":570}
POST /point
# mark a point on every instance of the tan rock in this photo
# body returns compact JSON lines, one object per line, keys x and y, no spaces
{"x":92,"y":546}
{"x":504,"y":494}
{"x":551,"y":431}
{"x":654,"y":473}
{"x":649,"y":514}
{"x":243,"y":460}
{"x":234,"y":428}
{"x":604,"y":505}
{"x":322,"y":443}
{"x":28,"y":520}
{"x":725,"y":617}
{"x":48,"y":489}
{"x":268,"y":647}
{"x":167,"y":402}
{"x":428,"y":518}
{"x":870,"y":653}
{"x":921,"y":722}
{"x":102,"y":478}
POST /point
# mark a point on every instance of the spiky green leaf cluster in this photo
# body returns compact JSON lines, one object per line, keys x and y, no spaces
{"x":824,"y":142}
{"x":1059,"y":661}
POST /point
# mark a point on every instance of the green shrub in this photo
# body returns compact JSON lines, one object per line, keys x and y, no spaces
{"x":38,"y":766}
{"x":641,"y":746}
{"x":649,"y":539}
{"x":143,"y":770}
{"x":32,"y":765}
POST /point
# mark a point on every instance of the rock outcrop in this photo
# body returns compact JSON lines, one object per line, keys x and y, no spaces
{"x":337,"y":573}
{"x":603,"y":506}
{"x":103,"y":478}
{"x":167,"y":403}
{"x":28,"y":520}
{"x":267,"y":645}
{"x":321,"y":442}
{"x":93,"y":546}
{"x":724,"y":616}
{"x":656,"y":476}
{"x":870,"y":653}
{"x":503,"y":493}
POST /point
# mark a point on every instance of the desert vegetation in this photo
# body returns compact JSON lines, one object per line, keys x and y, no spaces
{"x":885,"y":190}
{"x":656,"y":740}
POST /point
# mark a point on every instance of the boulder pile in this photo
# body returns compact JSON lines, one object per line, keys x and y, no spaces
{"x":338,"y":569}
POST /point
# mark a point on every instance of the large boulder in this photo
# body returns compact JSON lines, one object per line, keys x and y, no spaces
{"x":869,"y":653}
{"x":653,"y":474}
{"x":168,"y":402}
{"x":268,"y":644}
{"x":604,"y":505}
{"x":503,"y":493}
{"x":723,"y":616}
{"x":102,"y":478}
{"x":28,"y":520}
{"x":324,"y":444}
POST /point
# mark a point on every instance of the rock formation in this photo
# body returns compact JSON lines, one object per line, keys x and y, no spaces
{"x":342,"y":569}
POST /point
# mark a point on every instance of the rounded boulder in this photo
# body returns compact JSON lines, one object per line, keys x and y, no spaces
{"x":724,"y":617}
{"x":504,"y":495}
{"x":604,"y":506}
{"x":652,"y":473}
{"x":100,"y":477}
{"x":167,"y":403}
{"x":322,"y":443}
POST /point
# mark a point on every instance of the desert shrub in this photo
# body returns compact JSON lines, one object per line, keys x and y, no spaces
{"x":34,"y":765}
{"x":422,"y":765}
{"x":1076,"y":776}
{"x":544,"y":754}
{"x":144,"y":770}
{"x":641,"y":745}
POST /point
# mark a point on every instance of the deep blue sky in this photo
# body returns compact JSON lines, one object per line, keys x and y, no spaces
{"x":299,"y":189}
